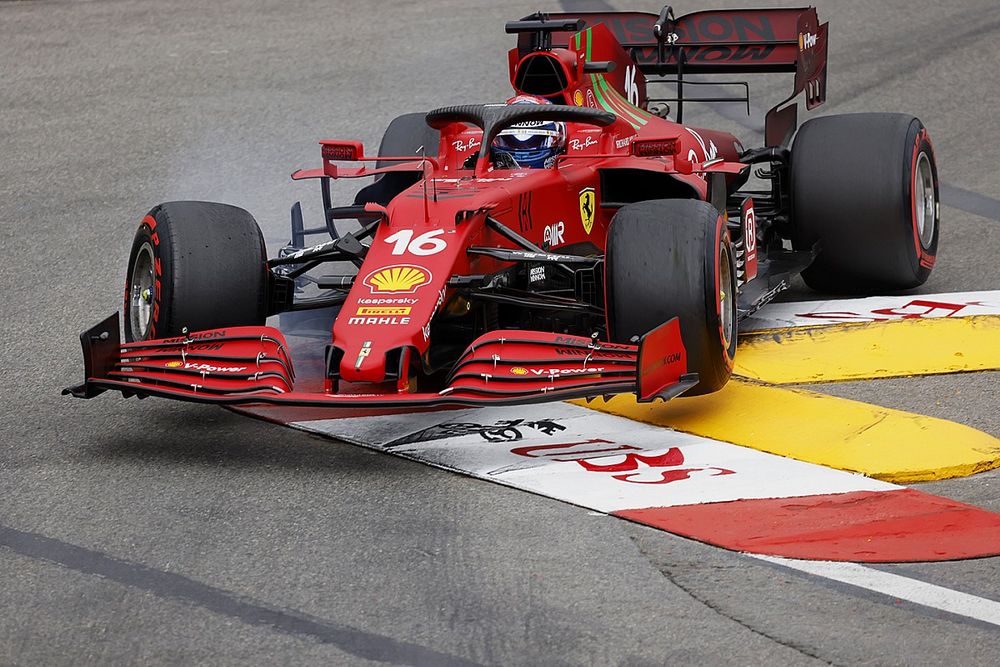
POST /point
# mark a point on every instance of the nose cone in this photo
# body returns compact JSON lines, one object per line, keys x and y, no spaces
{"x":390,"y":307}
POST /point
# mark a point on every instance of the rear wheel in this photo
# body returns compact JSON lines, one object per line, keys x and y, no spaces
{"x":674,"y":258}
{"x":195,"y":266}
{"x":406,"y":135}
{"x":865,"y":187}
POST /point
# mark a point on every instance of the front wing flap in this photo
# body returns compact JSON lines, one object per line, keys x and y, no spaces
{"x":252,"y":365}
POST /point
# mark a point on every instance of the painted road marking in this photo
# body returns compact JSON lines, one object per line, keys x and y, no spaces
{"x":682,"y":483}
{"x":590,"y":459}
{"x":871,"y":350}
{"x":897,"y":586}
{"x":849,"y":435}
{"x":872,"y":309}
{"x":888,"y":527}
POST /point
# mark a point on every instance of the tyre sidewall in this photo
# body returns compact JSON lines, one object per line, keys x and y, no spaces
{"x":713,"y":299}
{"x":149,"y":231}
{"x":922,"y":259}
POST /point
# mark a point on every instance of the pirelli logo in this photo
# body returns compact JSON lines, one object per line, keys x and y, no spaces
{"x":383,"y":310}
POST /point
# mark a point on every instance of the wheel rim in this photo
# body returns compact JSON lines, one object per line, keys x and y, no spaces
{"x":924,"y":202}
{"x":142,"y":293}
{"x":727,"y":296}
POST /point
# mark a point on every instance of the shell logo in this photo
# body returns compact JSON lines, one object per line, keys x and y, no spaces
{"x":173,"y":364}
{"x":517,"y":370}
{"x":398,"y":279}
{"x":578,"y":98}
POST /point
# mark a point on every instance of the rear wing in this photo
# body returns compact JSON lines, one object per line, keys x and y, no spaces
{"x":736,"y":41}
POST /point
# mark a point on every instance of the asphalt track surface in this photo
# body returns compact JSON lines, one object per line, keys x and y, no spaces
{"x":156,"y":532}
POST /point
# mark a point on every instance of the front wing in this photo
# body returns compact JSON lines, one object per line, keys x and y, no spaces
{"x":252,"y":365}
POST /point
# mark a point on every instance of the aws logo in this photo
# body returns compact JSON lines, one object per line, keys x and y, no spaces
{"x":398,"y":279}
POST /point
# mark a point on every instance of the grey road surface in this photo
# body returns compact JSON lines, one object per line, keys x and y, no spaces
{"x":160,"y":533}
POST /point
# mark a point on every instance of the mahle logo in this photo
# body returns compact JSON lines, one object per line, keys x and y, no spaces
{"x":398,"y":279}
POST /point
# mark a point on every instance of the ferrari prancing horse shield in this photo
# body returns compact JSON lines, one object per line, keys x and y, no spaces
{"x":588,"y":208}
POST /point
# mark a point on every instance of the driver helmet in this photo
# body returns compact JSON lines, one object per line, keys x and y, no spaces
{"x":533,"y":144}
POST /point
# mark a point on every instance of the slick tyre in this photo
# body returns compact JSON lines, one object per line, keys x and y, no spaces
{"x":674,"y":258}
{"x":865,"y":187}
{"x":194,"y":265}
{"x":406,"y":135}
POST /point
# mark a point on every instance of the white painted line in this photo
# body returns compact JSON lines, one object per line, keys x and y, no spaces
{"x":897,"y":586}
{"x":872,"y":309}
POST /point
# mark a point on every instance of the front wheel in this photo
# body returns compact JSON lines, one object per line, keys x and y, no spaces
{"x":195,"y":266}
{"x":674,"y":258}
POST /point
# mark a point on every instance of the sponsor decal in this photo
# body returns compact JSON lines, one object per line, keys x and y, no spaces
{"x":208,"y":368}
{"x":463,"y":146}
{"x":530,"y":124}
{"x":573,"y":340}
{"x":591,"y":101}
{"x":916,"y":309}
{"x":174,"y":364}
{"x":536,"y":274}
{"x":571,"y":451}
{"x":504,"y":430}
{"x":397,"y":279}
{"x":198,"y":335}
{"x":517,"y":370}
{"x":749,"y":31}
{"x":586,"y":351}
{"x":205,"y":347}
{"x":710,"y":151}
{"x":409,"y":301}
{"x":586,"y":370}
{"x":553,"y":234}
{"x":366,"y":349}
{"x":807,"y":40}
{"x":426,"y":329}
{"x":655,"y":469}
{"x":578,"y":340}
{"x":578,"y":98}
{"x":624,"y":143}
{"x":378,"y":321}
{"x":579,"y":145}
{"x":383,"y":310}
{"x":588,"y":208}
{"x":329,"y":245}
{"x":749,"y":241}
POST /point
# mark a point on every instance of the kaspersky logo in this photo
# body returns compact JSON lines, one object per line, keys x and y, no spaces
{"x":398,"y":279}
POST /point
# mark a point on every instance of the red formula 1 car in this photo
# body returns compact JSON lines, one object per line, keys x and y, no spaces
{"x":623,"y":262}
